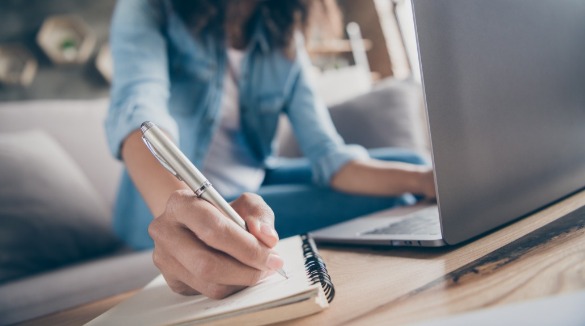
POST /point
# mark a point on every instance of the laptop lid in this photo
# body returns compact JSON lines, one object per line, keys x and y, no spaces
{"x":504,"y":83}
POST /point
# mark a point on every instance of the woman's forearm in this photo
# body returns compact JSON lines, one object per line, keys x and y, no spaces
{"x":154,"y":183}
{"x":382,"y":178}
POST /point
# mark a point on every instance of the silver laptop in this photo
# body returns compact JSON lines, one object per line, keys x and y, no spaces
{"x":504,"y":86}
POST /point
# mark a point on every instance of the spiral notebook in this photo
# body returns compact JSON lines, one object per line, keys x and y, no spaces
{"x":307,"y":291}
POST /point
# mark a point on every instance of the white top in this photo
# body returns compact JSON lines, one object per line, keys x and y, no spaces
{"x":230,"y":165}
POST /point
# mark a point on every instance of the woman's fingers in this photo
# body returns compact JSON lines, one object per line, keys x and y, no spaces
{"x":259,"y":217}
{"x":181,"y":281}
{"x":198,"y":250}
{"x":219,"y":232}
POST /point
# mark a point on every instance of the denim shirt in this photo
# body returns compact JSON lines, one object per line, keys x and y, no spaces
{"x":166,"y":75}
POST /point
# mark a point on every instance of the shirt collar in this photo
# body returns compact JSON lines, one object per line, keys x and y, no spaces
{"x":259,"y":38}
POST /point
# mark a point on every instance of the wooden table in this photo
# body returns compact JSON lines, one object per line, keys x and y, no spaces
{"x":541,"y":255}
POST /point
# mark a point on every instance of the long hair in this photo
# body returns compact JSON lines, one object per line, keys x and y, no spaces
{"x":281,"y":18}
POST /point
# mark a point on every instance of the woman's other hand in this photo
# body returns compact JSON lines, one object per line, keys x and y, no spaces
{"x":427,"y":183}
{"x":385,"y":178}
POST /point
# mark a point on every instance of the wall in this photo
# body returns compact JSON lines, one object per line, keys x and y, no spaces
{"x":20,"y":21}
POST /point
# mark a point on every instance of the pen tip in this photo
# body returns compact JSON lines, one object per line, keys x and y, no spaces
{"x":283,"y":273}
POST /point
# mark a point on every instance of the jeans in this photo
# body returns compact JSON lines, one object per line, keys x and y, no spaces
{"x":300,"y":206}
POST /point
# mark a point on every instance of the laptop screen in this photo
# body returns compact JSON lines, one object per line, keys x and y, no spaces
{"x":504,"y":85}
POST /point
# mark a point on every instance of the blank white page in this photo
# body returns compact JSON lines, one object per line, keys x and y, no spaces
{"x":157,"y":304}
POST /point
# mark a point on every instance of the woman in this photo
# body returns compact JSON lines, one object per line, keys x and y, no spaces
{"x":215,"y":75}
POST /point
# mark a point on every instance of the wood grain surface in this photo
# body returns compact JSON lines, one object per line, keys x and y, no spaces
{"x":540,"y":255}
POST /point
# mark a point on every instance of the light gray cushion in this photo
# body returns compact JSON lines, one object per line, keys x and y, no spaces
{"x":388,"y":116}
{"x":78,"y":126}
{"x":391,"y":115}
{"x":50,"y":215}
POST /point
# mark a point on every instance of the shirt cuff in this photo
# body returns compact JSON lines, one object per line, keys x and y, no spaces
{"x":327,"y":165}
{"x":125,"y":118}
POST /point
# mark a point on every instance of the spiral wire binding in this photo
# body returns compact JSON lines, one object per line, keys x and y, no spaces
{"x":315,"y":267}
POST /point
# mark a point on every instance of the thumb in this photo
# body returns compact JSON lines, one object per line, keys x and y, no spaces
{"x":259,"y":217}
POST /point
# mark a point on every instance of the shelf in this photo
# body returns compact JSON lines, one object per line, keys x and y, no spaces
{"x":334,"y":47}
{"x":66,"y":39}
{"x":17,"y":65}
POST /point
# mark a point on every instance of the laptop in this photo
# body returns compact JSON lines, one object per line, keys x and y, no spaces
{"x":504,"y":88}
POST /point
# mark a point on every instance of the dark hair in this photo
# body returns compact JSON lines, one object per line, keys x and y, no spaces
{"x":280,"y":17}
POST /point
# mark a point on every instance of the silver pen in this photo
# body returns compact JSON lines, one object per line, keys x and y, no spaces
{"x":172,"y":159}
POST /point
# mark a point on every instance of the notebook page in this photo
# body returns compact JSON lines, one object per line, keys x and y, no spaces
{"x":156,"y":304}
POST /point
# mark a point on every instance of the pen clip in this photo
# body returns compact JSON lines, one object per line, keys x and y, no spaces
{"x":161,"y":160}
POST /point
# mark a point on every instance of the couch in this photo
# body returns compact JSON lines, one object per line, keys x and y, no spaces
{"x":69,"y":261}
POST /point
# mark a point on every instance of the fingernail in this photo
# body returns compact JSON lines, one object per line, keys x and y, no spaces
{"x":274,"y":262}
{"x":268,"y":230}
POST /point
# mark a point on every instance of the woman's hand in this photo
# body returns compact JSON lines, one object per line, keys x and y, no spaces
{"x":198,"y":250}
{"x":385,"y":178}
{"x":427,"y":184}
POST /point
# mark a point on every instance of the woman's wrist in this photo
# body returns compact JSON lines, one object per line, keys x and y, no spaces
{"x":413,"y":180}
{"x":422,"y":182}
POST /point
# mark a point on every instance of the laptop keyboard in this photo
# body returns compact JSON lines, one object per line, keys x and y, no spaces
{"x":424,"y":221}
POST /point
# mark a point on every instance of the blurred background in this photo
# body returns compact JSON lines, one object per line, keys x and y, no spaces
{"x":34,"y":33}
{"x":20,"y":23}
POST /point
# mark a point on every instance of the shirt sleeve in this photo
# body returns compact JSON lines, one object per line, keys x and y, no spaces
{"x":140,"y":89}
{"x":313,"y":127}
